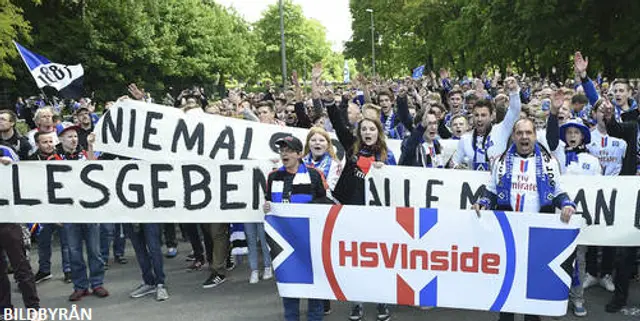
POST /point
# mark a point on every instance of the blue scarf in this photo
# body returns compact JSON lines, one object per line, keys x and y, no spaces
{"x":391,"y":131}
{"x":323,"y":165}
{"x":572,"y":155}
{"x":545,"y":187}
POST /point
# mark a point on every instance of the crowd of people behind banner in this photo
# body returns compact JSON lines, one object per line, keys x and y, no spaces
{"x":545,"y":128}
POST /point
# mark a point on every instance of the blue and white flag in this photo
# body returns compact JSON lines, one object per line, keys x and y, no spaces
{"x":347,"y":76}
{"x":65,"y":79}
{"x":417,"y":73}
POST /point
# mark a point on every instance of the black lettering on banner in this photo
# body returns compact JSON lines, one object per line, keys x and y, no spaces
{"x":52,"y":185}
{"x":581,"y":206}
{"x":259,"y":183}
{"x":132,"y":127}
{"x":407,"y":192}
{"x":274,"y":138}
{"x":137,"y":188}
{"x":430,"y":198}
{"x":189,"y":187}
{"x":189,"y":140}
{"x":157,"y":185}
{"x":339,"y":148}
{"x":468,"y":197}
{"x":84,"y":177}
{"x":150,"y":130}
{"x":246,"y":147}
{"x":222,"y":143}
{"x":387,"y":192}
{"x":375,"y":201}
{"x":17,"y":197}
{"x":225,"y":187}
{"x":114,"y":129}
{"x":609,"y":211}
{"x":637,"y":221}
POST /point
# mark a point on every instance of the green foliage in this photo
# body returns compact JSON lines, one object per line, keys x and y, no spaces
{"x":305,"y":40}
{"x":530,"y":35}
{"x":12,"y":25}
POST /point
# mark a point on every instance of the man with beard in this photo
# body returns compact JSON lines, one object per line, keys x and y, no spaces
{"x":9,"y":135}
{"x":85,"y":125}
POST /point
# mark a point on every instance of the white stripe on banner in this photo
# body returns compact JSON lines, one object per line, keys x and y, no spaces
{"x":610,"y":205}
{"x":510,"y":262}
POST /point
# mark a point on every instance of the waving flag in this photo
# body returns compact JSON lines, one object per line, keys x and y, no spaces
{"x":65,"y":79}
{"x":417,"y":73}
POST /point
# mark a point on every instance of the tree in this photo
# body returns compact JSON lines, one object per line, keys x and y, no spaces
{"x":12,"y":26}
{"x":305,"y":40}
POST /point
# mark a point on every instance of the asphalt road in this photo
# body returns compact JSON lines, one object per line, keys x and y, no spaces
{"x":237,"y":300}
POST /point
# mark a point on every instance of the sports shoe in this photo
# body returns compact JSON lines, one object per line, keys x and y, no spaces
{"x":171,"y":252}
{"x":161,"y":293}
{"x":327,"y":307}
{"x":190,"y":257}
{"x":589,"y":281}
{"x":214,"y":280}
{"x":195,"y":266}
{"x":77,"y":295}
{"x":579,"y":310}
{"x":42,"y":276}
{"x":268,"y":273}
{"x":255,"y":277}
{"x":67,"y":278}
{"x":100,"y":292}
{"x":142,"y":290}
{"x":121,"y":260}
{"x":607,"y":283}
{"x":231,"y":262}
{"x":356,"y":313}
{"x":426,"y":308}
{"x":383,"y":312}
{"x":106,"y":266}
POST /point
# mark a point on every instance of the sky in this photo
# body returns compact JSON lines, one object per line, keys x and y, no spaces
{"x":333,"y":14}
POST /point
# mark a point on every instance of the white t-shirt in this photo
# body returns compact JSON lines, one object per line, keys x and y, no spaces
{"x":524,"y":185}
{"x":609,"y":150}
{"x":496,"y":142}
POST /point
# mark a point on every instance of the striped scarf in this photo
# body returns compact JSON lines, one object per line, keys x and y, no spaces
{"x":323,"y":165}
{"x":300,"y":191}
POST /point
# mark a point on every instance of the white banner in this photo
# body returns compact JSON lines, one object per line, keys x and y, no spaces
{"x":133,"y":191}
{"x":510,"y":262}
{"x":609,"y":205}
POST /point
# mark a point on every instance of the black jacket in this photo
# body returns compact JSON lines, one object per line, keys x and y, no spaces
{"x":628,"y":131}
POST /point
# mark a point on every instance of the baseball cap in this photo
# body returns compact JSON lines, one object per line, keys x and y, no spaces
{"x":60,"y":129}
{"x":291,"y":142}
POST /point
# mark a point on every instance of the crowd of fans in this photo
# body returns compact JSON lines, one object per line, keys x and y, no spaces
{"x":588,"y":126}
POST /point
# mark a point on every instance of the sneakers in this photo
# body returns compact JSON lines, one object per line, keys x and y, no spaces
{"x":67,"y":278}
{"x":171,"y":252}
{"x":214,"y":280}
{"x":255,"y":277}
{"x":77,"y":295}
{"x":161,"y":293}
{"x":195,"y":266}
{"x":268,"y":273}
{"x":356,"y":313}
{"x":607,"y":283}
{"x":426,"y":308}
{"x":579,"y":310}
{"x":231,"y":262}
{"x":121,"y":260}
{"x":190,"y":257}
{"x":383,"y":313}
{"x":42,"y":276}
{"x":589,"y":281}
{"x":142,"y":290}
{"x":100,"y":292}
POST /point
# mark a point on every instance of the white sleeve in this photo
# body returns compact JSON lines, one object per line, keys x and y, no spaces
{"x":513,"y":114}
{"x":491,"y":186}
{"x":458,"y":157}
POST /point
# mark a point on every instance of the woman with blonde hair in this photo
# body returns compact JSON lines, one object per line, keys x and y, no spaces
{"x":320,"y":154}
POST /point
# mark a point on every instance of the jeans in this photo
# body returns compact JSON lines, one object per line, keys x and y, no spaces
{"x":292,"y":309}
{"x":219,"y":233}
{"x":253,"y":231}
{"x":576,"y":293}
{"x":12,"y":244}
{"x":44,"y":248}
{"x":89,"y":234}
{"x":145,"y":239}
{"x":170,"y":234}
{"x":110,"y":232}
